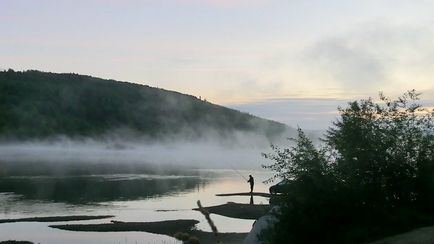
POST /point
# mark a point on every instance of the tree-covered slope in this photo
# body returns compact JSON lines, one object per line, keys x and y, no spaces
{"x":37,"y":104}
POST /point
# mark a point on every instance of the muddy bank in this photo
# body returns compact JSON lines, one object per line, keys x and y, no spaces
{"x":227,"y":238}
{"x":169,"y":227}
{"x":239,"y":210}
{"x":259,"y":194}
{"x":56,"y":218}
{"x":15,"y":242}
{"x":421,"y":236}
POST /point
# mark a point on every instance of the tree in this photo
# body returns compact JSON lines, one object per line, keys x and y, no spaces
{"x":298,"y":162}
{"x":373,"y":176}
{"x":307,"y":173}
{"x":381,"y":147}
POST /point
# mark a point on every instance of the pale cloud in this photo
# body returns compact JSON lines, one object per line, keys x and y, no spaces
{"x":230,"y":51}
{"x":225,"y":3}
{"x":376,"y":56}
{"x":310,"y":114}
{"x":366,"y":58}
{"x":349,"y":66}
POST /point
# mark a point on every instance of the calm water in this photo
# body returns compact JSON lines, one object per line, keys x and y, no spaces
{"x":129,"y":197}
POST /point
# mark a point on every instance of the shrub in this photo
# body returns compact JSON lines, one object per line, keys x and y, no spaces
{"x":373,"y":176}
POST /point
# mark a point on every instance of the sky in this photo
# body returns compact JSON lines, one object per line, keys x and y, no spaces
{"x":291,"y":61}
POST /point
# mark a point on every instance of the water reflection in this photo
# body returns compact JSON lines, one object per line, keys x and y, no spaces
{"x":133,"y":198}
{"x":96,"y":189}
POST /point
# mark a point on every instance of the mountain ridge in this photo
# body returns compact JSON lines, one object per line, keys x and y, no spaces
{"x":35,"y":104}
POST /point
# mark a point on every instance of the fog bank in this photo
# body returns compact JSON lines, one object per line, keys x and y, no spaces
{"x":238,"y":151}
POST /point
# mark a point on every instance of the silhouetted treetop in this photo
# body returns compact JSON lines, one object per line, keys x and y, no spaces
{"x":372,"y":177}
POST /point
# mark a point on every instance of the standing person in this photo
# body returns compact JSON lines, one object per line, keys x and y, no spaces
{"x":252,"y":183}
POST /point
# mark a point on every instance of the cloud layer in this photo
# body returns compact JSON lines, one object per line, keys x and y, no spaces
{"x":230,"y":51}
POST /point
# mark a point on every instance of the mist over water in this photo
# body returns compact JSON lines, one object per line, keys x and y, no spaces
{"x":133,"y":178}
{"x":117,"y":154}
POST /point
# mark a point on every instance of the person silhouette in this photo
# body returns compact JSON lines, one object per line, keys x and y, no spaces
{"x":252,"y":183}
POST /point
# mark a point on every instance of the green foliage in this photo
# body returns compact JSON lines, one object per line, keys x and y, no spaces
{"x":382,"y":148}
{"x":298,"y":162}
{"x":35,"y":104}
{"x":374,"y":175}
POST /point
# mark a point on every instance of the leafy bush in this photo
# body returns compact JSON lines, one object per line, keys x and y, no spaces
{"x":373,"y":176}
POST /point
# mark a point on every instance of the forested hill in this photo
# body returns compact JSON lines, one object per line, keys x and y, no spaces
{"x":36,"y":104}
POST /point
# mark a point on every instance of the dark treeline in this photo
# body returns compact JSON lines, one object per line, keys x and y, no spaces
{"x":36,"y":104}
{"x":373,"y":177}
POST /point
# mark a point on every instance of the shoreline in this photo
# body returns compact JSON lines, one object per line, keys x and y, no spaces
{"x":168,"y":227}
{"x":258,"y":194}
{"x":239,"y":210}
{"x":56,"y":218}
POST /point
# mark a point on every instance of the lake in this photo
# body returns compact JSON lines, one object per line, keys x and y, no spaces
{"x":129,"y":197}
